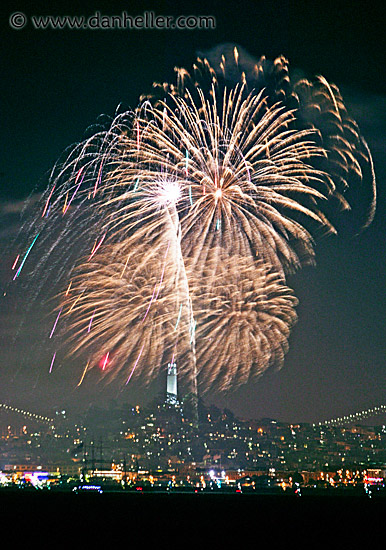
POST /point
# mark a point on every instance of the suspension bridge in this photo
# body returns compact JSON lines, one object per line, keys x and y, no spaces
{"x":333,"y":422}
{"x":353,"y":418}
{"x":28,"y":414}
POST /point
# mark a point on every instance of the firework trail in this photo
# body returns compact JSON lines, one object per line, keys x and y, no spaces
{"x":191,"y":211}
{"x":143,"y":271}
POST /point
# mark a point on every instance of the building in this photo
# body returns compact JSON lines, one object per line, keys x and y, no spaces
{"x":171,"y":384}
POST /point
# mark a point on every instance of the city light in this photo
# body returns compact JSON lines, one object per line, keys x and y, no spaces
{"x":164,"y":452}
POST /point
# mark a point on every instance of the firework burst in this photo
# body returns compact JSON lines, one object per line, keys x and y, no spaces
{"x":244,"y":314}
{"x":191,"y":212}
{"x":145,"y":286}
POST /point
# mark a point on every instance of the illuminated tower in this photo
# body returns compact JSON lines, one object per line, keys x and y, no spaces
{"x":171,"y":384}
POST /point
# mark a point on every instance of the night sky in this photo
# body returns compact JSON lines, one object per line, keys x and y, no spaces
{"x":56,"y":83}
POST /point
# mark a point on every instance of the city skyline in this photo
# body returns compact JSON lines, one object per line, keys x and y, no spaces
{"x":335,"y":364}
{"x":163,"y":441}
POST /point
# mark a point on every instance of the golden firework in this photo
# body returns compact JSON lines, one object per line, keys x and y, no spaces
{"x":199,"y":204}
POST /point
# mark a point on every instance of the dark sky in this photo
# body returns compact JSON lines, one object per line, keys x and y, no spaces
{"x":55,"y":84}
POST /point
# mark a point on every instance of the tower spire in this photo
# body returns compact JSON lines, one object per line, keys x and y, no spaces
{"x":171,"y":384}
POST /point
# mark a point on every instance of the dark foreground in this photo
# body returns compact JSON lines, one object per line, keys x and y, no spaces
{"x":198,"y":518}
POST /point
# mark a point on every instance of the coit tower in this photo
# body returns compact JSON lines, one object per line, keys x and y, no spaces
{"x":171,"y":384}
